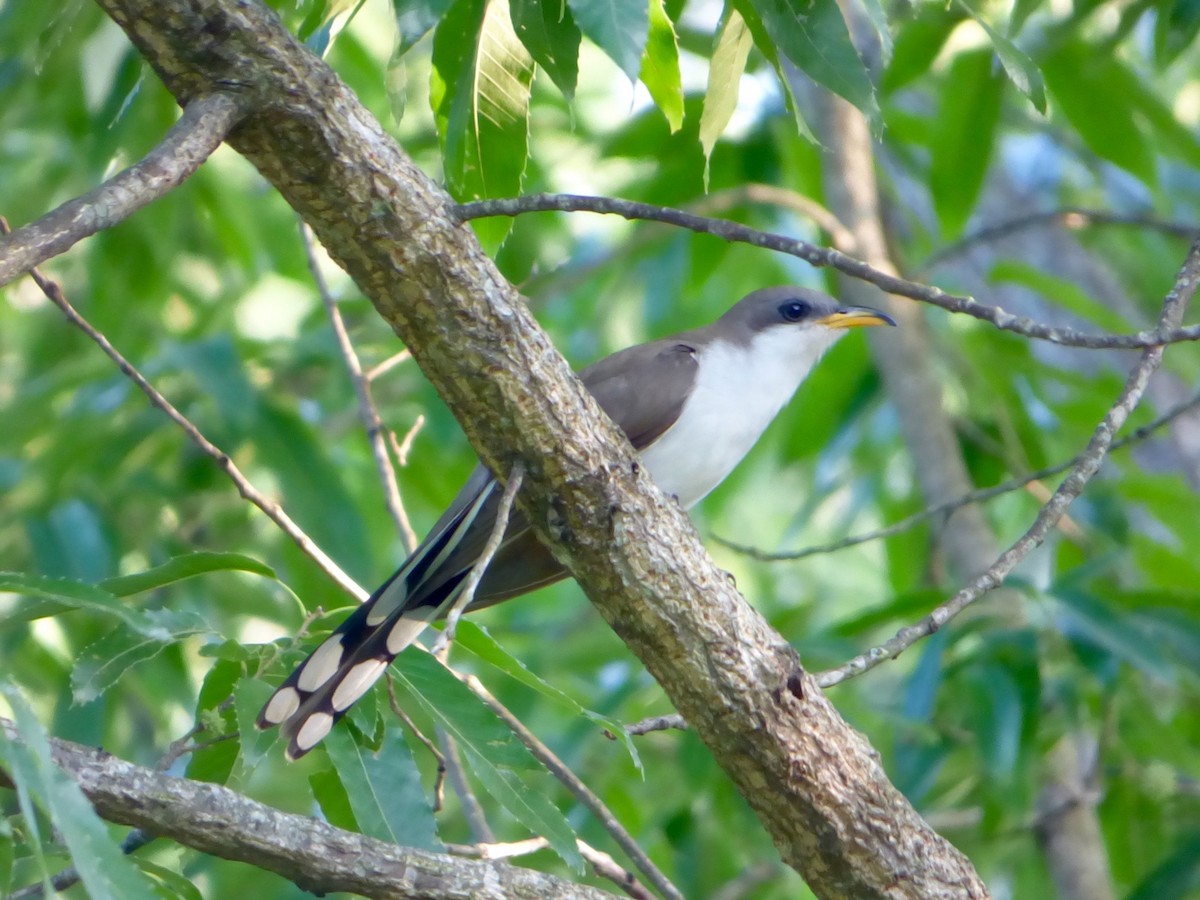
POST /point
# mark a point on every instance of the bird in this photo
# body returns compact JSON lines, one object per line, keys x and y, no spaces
{"x":692,"y":405}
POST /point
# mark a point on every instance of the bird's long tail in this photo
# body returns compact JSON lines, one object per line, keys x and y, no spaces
{"x":345,"y":665}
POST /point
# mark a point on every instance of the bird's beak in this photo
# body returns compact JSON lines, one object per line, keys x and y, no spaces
{"x":856,"y":317}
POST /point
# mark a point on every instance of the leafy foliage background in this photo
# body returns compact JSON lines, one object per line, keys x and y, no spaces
{"x":208,"y":291}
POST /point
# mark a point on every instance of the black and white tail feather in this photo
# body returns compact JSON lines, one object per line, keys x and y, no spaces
{"x":345,"y":665}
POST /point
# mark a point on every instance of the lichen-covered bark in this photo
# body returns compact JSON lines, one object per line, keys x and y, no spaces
{"x":815,"y":783}
{"x":313,"y":854}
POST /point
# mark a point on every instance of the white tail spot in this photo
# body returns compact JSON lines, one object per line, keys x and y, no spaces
{"x":314,"y":731}
{"x":319,"y":667}
{"x":356,"y":682}
{"x":405,"y":631}
{"x":282,"y":704}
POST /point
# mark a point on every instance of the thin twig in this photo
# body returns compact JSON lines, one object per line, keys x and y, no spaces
{"x":191,"y":140}
{"x":402,"y":447}
{"x":472,"y":809}
{"x":1086,"y":465}
{"x":581,"y":791}
{"x":943,"y":510}
{"x":823,"y":256}
{"x":368,"y":412}
{"x":656,"y":723}
{"x":603,"y":864}
{"x":1072,"y":217}
{"x":467,"y":594}
{"x":388,"y":364}
{"x":273,"y":511}
{"x":439,"y":784}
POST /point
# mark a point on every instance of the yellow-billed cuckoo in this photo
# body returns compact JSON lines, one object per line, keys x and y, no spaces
{"x":692,"y":405}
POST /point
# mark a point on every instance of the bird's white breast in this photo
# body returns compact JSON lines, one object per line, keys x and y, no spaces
{"x":738,"y":392}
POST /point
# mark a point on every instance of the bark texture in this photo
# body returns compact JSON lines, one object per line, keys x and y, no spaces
{"x":313,"y":854}
{"x":814,"y":782}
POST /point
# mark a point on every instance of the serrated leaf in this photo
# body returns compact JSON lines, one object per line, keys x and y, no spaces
{"x":549,"y":33}
{"x":618,"y":27}
{"x":248,"y":698}
{"x":60,"y":595}
{"x":879,"y":21}
{"x":475,"y":638}
{"x":384,"y":789}
{"x":490,"y":748}
{"x":660,"y":66}
{"x":730,"y":52}
{"x":813,"y":35}
{"x":104,"y":870}
{"x":1022,"y":71}
{"x":414,"y":19}
{"x":179,"y":568}
{"x":480,"y":96}
{"x":964,"y":132}
{"x":104,"y":662}
{"x":330,"y":794}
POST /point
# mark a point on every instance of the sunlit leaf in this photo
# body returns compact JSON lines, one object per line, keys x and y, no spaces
{"x":730,"y":51}
{"x":549,"y":33}
{"x":660,"y":66}
{"x":181,"y":567}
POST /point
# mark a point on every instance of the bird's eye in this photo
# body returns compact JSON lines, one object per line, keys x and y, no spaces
{"x":795,"y":310}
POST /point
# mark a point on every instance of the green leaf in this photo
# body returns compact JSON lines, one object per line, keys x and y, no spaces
{"x":998,"y":720}
{"x":59,"y":595}
{"x":550,"y":35}
{"x":384,"y":789}
{"x":1177,"y":877}
{"x":1020,"y":68}
{"x":106,"y":661}
{"x":878,"y":17}
{"x":181,"y":567}
{"x":766,"y":46}
{"x":660,"y":66}
{"x":964,"y":132}
{"x":248,"y":698}
{"x":1064,"y":293}
{"x":7,"y":855}
{"x":1084,"y":84}
{"x":1176,"y":28}
{"x":475,"y":638}
{"x":331,"y":796}
{"x":1097,"y":623}
{"x":813,"y":35}
{"x":918,"y":44}
{"x":618,"y":27}
{"x":215,"y":762}
{"x":414,"y":19}
{"x":730,"y":51}
{"x":173,"y":885}
{"x":480,"y":96}
{"x":103,"y":869}
{"x":493,"y":752}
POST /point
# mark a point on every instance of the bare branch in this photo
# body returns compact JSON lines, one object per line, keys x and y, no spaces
{"x":943,"y":510}
{"x":1086,"y":465}
{"x":655,"y":723}
{"x":603,"y":864}
{"x":581,"y":791}
{"x":191,"y":140}
{"x":368,"y":412}
{"x":273,"y":510}
{"x":439,"y":785}
{"x":387,"y":365}
{"x":316,"y":856}
{"x":467,"y":594}
{"x":823,"y":256}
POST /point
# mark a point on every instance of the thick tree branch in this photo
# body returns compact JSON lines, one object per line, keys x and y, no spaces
{"x":835,"y":259}
{"x":313,"y":854}
{"x":200,"y":130}
{"x":814,"y":782}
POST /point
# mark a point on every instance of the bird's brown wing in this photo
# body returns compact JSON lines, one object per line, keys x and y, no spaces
{"x":643,"y":389}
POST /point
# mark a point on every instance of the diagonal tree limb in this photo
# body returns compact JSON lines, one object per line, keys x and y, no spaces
{"x":200,"y":130}
{"x":315,"y":855}
{"x":814,"y":782}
